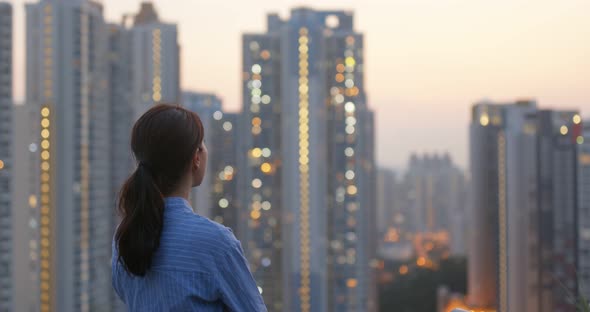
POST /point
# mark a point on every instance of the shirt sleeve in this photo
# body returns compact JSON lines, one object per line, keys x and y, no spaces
{"x":236,"y":284}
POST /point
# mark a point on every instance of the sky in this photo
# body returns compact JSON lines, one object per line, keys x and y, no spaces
{"x":427,"y":61}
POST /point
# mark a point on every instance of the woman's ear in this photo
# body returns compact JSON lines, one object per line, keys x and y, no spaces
{"x":197,"y":159}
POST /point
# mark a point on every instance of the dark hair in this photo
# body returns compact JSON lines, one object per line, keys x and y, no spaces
{"x":164,"y":141}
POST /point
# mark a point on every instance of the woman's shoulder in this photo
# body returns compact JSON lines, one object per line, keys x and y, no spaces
{"x":217,"y":236}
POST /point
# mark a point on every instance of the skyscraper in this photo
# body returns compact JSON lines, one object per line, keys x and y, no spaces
{"x":386,"y":185}
{"x":304,"y":76}
{"x":216,"y":197}
{"x":259,"y":182}
{"x":437,"y":197}
{"x":6,"y":159}
{"x":121,"y":123}
{"x":67,"y":72}
{"x":558,"y":135}
{"x":583,"y":261}
{"x":483,"y":232}
{"x":24,"y":205}
{"x":155,"y":61}
{"x":525,"y":185}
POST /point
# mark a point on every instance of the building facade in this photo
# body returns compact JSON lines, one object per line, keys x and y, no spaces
{"x":525,"y":183}
{"x":583,"y":261}
{"x":216,"y":197}
{"x":304,"y":76}
{"x":155,"y":61}
{"x":6,"y":158}
{"x":259,"y":183}
{"x":67,"y":86}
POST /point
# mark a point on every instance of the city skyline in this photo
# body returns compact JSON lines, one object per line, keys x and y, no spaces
{"x":428,"y":46}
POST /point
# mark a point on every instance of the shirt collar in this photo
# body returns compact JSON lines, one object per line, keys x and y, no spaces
{"x":178,"y":203}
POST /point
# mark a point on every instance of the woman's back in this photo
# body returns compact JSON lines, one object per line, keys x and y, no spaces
{"x":165,"y":257}
{"x":199,"y":266}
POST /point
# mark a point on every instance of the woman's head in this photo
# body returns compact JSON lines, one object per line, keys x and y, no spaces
{"x":167,"y":142}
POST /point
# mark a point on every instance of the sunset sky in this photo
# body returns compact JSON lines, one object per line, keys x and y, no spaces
{"x":427,"y":61}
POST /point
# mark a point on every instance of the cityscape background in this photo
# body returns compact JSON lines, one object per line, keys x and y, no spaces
{"x":427,"y":59}
{"x":429,"y":156}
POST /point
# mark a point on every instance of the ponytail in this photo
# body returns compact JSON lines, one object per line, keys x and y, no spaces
{"x":164,"y":140}
{"x":142,"y":206}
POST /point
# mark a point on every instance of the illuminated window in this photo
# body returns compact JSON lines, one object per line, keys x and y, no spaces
{"x":254,"y":46}
{"x":265,"y":55}
{"x":227,"y":126}
{"x":266,"y":168}
{"x":255,"y":214}
{"x":349,"y":152}
{"x":217,"y":115}
{"x":577,"y":119}
{"x":350,"y":40}
{"x":45,"y":112}
{"x":33,"y":201}
{"x":351,"y":283}
{"x":403,"y":270}
{"x":256,"y":69}
{"x":256,"y":183}
{"x":350,"y":61}
{"x":223,"y":203}
{"x":351,"y":190}
{"x":339,"y":77}
{"x":340,"y":68}
{"x":563,"y":130}
{"x":266,"y":152}
{"x":350,"y":121}
{"x":349,"y":174}
{"x":1,"y":164}
{"x":484,"y":120}
{"x":256,"y":130}
{"x":256,"y":152}
{"x":349,"y":107}
{"x":265,"y":205}
{"x":265,"y":99}
{"x":45,"y":155}
{"x":256,"y":92}
{"x":332,"y":21}
{"x":349,"y":83}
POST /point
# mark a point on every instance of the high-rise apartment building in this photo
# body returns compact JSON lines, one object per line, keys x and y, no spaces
{"x":386,"y":198}
{"x":524,"y":183}
{"x":436,"y":197}
{"x":67,"y":87}
{"x":310,"y":186}
{"x":583,"y":217}
{"x":216,"y":197}
{"x":6,"y":158}
{"x":154,"y":62}
{"x":559,"y":133}
{"x":24,"y":204}
{"x":259,"y":182}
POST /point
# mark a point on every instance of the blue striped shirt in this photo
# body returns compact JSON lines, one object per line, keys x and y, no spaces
{"x":199,"y":266}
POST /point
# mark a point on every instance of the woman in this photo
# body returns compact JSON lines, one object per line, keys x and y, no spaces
{"x":165,"y":257}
